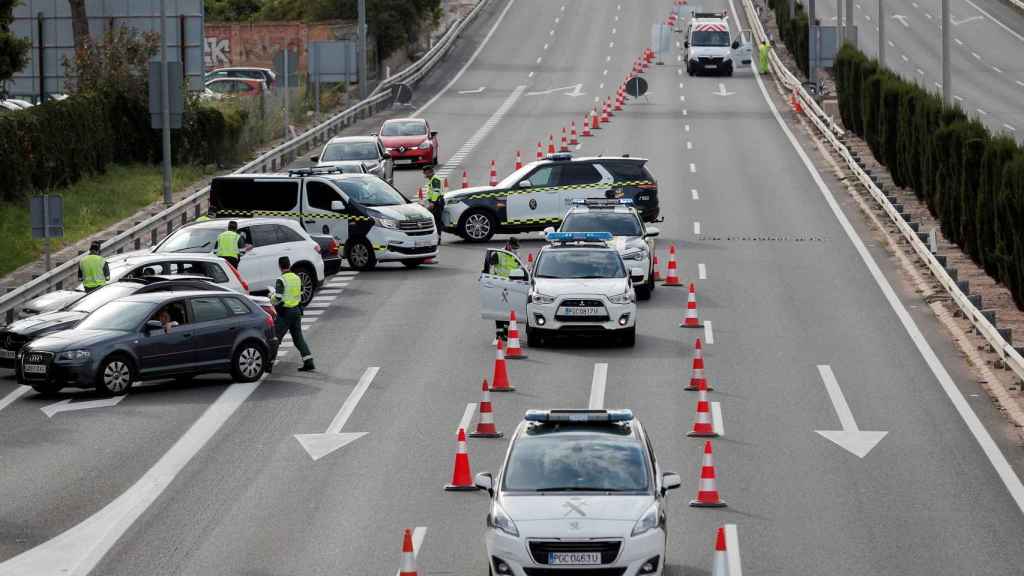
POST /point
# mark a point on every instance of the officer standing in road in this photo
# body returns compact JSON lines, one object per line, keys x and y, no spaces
{"x":287,"y":301}
{"x":435,"y":197}
{"x":503,"y":265}
{"x":229,"y":244}
{"x":763,"y":57}
{"x":93,"y":269}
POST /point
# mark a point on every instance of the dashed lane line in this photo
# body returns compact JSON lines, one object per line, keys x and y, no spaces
{"x":732,"y":550}
{"x":694,"y":194}
{"x":717,"y":422}
{"x":597,"y":386}
{"x":14,"y":395}
{"x":702,"y":271}
{"x":467,"y":417}
{"x":693,"y":168}
{"x":709,"y":333}
{"x":482,"y":132}
{"x":696,"y":228}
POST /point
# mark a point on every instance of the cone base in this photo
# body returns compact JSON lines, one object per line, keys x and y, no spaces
{"x":695,"y":434}
{"x":702,"y":504}
{"x":460,"y":488}
{"x":672,"y":283}
{"x":519,"y":356}
{"x":486,"y":435}
{"x":692,"y":388}
{"x":690,"y":324}
{"x":505,"y":389}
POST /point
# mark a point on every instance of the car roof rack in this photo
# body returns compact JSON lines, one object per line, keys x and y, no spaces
{"x":579,"y":416}
{"x":559,"y":157}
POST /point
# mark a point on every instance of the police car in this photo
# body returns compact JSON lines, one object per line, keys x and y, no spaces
{"x":580,"y":492}
{"x":578,"y":284}
{"x":633,"y":240}
{"x":538,"y":194}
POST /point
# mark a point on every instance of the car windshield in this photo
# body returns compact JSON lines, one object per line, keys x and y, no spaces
{"x":191,"y":240}
{"x":407,"y":128}
{"x":338,"y":151}
{"x":617,"y":223}
{"x":371,"y":191}
{"x":118,"y":315}
{"x":568,"y":462}
{"x":98,"y":298}
{"x":559,"y":263}
{"x":710,"y":38}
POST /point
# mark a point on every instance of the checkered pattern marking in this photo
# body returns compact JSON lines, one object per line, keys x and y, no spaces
{"x":289,"y":214}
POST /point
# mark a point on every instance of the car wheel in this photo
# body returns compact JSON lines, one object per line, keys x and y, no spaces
{"x":308,"y":279}
{"x":414,"y":263}
{"x":249,"y":362}
{"x":628,"y":337}
{"x":689,"y":69}
{"x":643,"y":292}
{"x":478,"y":226}
{"x":47,"y":388}
{"x":534,"y":338}
{"x":360,"y":256}
{"x":116,"y":376}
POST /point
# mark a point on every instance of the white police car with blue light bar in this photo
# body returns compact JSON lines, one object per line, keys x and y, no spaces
{"x":579,"y":285}
{"x":580,"y":492}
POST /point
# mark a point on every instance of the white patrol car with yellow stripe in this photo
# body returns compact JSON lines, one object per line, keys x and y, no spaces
{"x":370,"y":218}
{"x":538,"y":194}
{"x":578,"y":285}
{"x":633,"y":240}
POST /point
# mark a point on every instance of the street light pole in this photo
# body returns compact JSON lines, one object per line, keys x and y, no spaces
{"x":881,"y":32}
{"x":165,"y":103}
{"x":947,"y":80}
{"x":363,"y":88}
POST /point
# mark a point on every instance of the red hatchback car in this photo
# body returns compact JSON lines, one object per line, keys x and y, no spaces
{"x":409,"y":141}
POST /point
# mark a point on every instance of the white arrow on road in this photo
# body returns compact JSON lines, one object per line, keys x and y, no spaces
{"x":858,"y":442}
{"x":575,"y":91}
{"x":902,"y":19}
{"x":721,"y":91}
{"x":67,"y":405}
{"x":477,"y":91}
{"x":956,"y":22}
{"x":320,"y":445}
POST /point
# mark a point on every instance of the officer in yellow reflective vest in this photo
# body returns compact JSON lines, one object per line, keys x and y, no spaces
{"x":762,"y":51}
{"x":210,"y":214}
{"x":93,"y":269}
{"x":502,"y":265}
{"x":435,"y":197}
{"x":230,"y":243}
{"x":287,"y":299}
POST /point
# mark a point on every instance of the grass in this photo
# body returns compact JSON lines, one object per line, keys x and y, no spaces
{"x":90,"y":205}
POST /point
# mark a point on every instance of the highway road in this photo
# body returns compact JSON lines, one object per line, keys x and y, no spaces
{"x":987,"y":38}
{"x":801,"y":303}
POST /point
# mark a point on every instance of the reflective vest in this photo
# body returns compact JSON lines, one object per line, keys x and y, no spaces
{"x":202,"y":218}
{"x":505,"y":265}
{"x":435,"y":188}
{"x":227,"y":244}
{"x":292,"y":296}
{"x":763,"y":53}
{"x":92,"y":271}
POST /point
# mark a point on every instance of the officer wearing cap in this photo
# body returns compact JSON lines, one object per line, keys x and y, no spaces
{"x":287,"y":299}
{"x":93,"y":269}
{"x":230,"y":244}
{"x":435,"y":197}
{"x":502,"y":265}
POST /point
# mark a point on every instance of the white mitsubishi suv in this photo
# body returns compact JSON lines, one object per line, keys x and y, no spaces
{"x":580,"y":492}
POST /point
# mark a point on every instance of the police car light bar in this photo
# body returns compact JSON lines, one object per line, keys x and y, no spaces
{"x":578,"y":415}
{"x":605,"y":202}
{"x":579,"y":236}
{"x":559,"y":157}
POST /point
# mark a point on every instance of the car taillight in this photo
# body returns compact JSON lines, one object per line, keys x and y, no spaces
{"x":333,"y":247}
{"x":245,"y":285}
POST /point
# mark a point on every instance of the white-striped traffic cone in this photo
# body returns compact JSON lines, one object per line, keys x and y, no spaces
{"x":462,"y":476}
{"x":697,"y":379}
{"x":573,"y":137}
{"x":485,"y":427}
{"x":586,"y":126}
{"x":703,"y":425}
{"x":672,"y":273}
{"x":691,"y":320}
{"x":720,"y":565}
{"x":564,"y":145}
{"x":540,"y":151}
{"x":408,"y":567}
{"x":707,"y":491}
{"x":465,"y":179}
{"x":515,"y":350}
{"x":657,"y":270}
{"x":494,"y":174}
{"x":551,"y":143}
{"x":500,"y":382}
{"x":519,"y":161}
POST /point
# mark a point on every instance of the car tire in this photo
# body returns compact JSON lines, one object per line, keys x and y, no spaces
{"x":360,"y":256}
{"x":628,"y":337}
{"x":643,"y":292}
{"x":47,"y":388}
{"x":308,"y":278}
{"x":478,"y":226}
{"x":249,"y":361}
{"x":534,"y":338}
{"x":115,"y":376}
{"x":689,"y":69}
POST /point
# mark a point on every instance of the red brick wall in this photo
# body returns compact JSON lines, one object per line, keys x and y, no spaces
{"x":254,"y":44}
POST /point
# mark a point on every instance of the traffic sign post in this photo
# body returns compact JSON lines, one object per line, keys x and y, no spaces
{"x":47,"y":219}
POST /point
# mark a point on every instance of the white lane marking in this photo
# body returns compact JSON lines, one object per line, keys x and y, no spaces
{"x":693,"y":192}
{"x":539,"y":58}
{"x":686,"y":127}
{"x":702,"y":271}
{"x":347,"y":273}
{"x":928,"y":15}
{"x":914,"y":3}
{"x":338,"y":283}
{"x":937,"y":85}
{"x":867,"y":17}
{"x":320,"y":445}
{"x":611,"y":44}
{"x":418,"y":534}
{"x":732,"y":550}
{"x":616,"y":18}
{"x":563,"y":8}
{"x":530,"y":75}
{"x":679,"y":71}
{"x":686,"y":113}
{"x":14,"y":395}
{"x":891,"y":45}
{"x":467,"y":417}
{"x":1020,"y":83}
{"x":851,"y":438}
{"x":996,"y":68}
{"x":607,"y":58}
{"x":997,"y":22}
{"x":618,"y":7}
{"x":696,"y":228}
{"x":689,"y":145}
{"x":597,"y":386}
{"x":476,"y":91}
{"x":551,"y":32}
{"x":315,"y":305}
{"x":682,"y":98}
{"x":982,"y":112}
{"x":472,"y":58}
{"x":482,"y":132}
{"x":693,"y":168}
{"x":557,"y":19}
{"x":66,"y":405}
{"x":904,"y":57}
{"x":958,"y":98}
{"x":999,"y":463}
{"x":921,"y":72}
{"x":976,"y":55}
{"x":1009,"y":127}
{"x":546,"y":46}
{"x":958,"y":41}
{"x":680,"y":85}
{"x":613,"y":30}
{"x":717,"y":422}
{"x":604,"y":72}
{"x":600,"y":86}
{"x":709,"y":333}
{"x":76,"y":551}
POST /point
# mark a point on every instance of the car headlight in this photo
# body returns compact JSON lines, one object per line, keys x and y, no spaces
{"x":649,"y":521}
{"x":501,"y":521}
{"x":624,"y":298}
{"x":425,"y":145}
{"x":635,"y":255}
{"x":73,"y":355}
{"x":539,"y":298}
{"x":386,"y":223}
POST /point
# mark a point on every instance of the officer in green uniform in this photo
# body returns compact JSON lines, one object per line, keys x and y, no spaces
{"x":287,"y":302}
{"x":502,"y":265}
{"x":229,"y":244}
{"x":93,"y":269}
{"x":210,"y":214}
{"x":435,"y":197}
{"x":763,"y":57}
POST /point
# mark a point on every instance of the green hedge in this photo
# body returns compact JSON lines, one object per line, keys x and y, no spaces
{"x":793,"y":31}
{"x":972,"y":181}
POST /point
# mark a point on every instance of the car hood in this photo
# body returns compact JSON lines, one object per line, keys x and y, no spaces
{"x":573,"y":507}
{"x":407,"y":141}
{"x":45,"y":322}
{"x":580,"y":287}
{"x":626,"y":244}
{"x":399,"y":211}
{"x":70,"y":339}
{"x":53,"y":300}
{"x":463,"y":192}
{"x":370,"y":164}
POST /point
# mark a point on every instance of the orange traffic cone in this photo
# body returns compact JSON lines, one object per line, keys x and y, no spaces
{"x":462,"y":477}
{"x":551,"y":143}
{"x":697,"y":380}
{"x":703,"y":427}
{"x":529,"y":260}
{"x":500,"y":379}
{"x":690,"y":320}
{"x":485,"y":425}
{"x":707,"y":493}
{"x":445,"y":182}
{"x":720,"y":565}
{"x":519,"y":161}
{"x":408,"y":567}
{"x":672,"y":274}
{"x":565,"y":142}
{"x":465,"y":179}
{"x":605,"y":118}
{"x":573,"y":137}
{"x":540,"y":151}
{"x":608,"y":106}
{"x":494,"y":175}
{"x":618,"y":103}
{"x":515,"y":351}
{"x":595,"y":120}
{"x":657,"y":271}
{"x":796,"y":103}
{"x":586,"y":126}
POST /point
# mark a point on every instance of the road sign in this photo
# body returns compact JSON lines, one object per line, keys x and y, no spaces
{"x":174,"y":90}
{"x":401,"y":94}
{"x":636,"y":86}
{"x":287,"y":70}
{"x":47,"y":216}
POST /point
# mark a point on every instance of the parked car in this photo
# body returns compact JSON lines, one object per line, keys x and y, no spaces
{"x":265,"y":74}
{"x":409,"y":141}
{"x":230,"y":87}
{"x":139,"y":264}
{"x":151,"y":336}
{"x":14,"y":336}
{"x":267,"y":240}
{"x":330,"y":251}
{"x":366,"y":150}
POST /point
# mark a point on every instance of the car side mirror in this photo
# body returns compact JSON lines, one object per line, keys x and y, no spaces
{"x":735,"y":44}
{"x":652,"y":232}
{"x":337,"y":206}
{"x":670,"y":481}
{"x":517,"y":274}
{"x":686,"y":44}
{"x":314,"y":158}
{"x":433,"y":134}
{"x":525,"y":184}
{"x":153,"y":325}
{"x":386,"y":156}
{"x":485,"y":481}
{"x":636,"y":275}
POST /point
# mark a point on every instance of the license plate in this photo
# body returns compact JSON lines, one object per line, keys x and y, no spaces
{"x":34,"y":369}
{"x":422,"y":243}
{"x":574,"y":558}
{"x":581,"y":311}
{"x":7,"y":354}
{"x":403,"y":160}
{"x":711,"y":66}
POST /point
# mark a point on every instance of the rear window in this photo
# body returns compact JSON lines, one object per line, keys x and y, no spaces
{"x":628,"y":171}
{"x":208,"y":309}
{"x":248,"y":194}
{"x":237,"y":307}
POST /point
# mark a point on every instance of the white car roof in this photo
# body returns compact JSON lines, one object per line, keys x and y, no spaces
{"x":222,"y":223}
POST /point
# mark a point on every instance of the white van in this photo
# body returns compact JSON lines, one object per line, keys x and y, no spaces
{"x":710,"y":48}
{"x":369,"y":218}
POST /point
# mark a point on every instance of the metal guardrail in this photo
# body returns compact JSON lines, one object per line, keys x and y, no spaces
{"x":832,"y":131}
{"x":1018,"y":4}
{"x":148,"y":232}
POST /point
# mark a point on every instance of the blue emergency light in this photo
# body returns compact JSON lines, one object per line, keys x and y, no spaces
{"x":579,"y":236}
{"x":578,"y":415}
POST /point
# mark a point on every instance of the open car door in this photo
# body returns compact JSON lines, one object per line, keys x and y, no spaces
{"x":743,"y":49}
{"x":500,"y":293}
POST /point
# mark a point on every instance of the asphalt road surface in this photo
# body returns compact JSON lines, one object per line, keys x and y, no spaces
{"x":208,"y":478}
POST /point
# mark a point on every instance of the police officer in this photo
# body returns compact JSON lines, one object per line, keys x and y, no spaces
{"x":435,"y":197}
{"x":503,"y":265}
{"x":93,"y":269}
{"x":763,"y":57}
{"x":230,"y":243}
{"x":211,"y":213}
{"x":287,"y":301}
